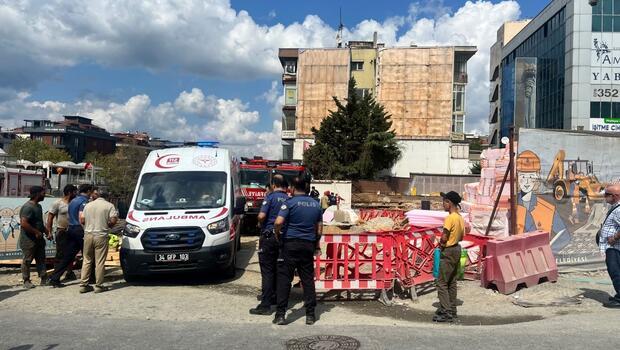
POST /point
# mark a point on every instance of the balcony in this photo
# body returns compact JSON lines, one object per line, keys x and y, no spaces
{"x":493,"y":116}
{"x":460,"y":78}
{"x":289,"y":78}
{"x":495,"y":94}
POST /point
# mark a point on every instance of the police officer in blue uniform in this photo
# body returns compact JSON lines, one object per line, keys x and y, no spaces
{"x":268,"y":245}
{"x":299,"y":241}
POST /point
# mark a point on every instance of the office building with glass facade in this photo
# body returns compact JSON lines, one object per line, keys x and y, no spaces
{"x":558,"y":70}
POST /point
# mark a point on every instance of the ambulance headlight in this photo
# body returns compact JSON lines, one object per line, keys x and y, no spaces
{"x":131,"y":230}
{"x":218,"y":226}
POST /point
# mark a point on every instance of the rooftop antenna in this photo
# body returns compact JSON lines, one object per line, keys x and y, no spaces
{"x":340,"y":28}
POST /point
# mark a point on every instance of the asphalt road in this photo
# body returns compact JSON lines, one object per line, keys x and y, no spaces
{"x":26,"y":330}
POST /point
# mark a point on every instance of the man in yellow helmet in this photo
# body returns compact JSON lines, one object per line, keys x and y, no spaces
{"x":534,"y":212}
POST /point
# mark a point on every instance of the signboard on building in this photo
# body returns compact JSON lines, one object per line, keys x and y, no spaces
{"x":289,"y":134}
{"x":525,"y":92}
{"x":457,"y":136}
{"x":605,"y":83}
{"x":605,"y":124}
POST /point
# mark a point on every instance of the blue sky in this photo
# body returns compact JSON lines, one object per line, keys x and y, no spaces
{"x":208,"y":69}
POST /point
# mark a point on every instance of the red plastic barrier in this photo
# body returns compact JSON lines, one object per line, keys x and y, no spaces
{"x":394,"y":214}
{"x":523,"y":259}
{"x":413,"y":249}
{"x":476,"y":249}
{"x":360,"y":261}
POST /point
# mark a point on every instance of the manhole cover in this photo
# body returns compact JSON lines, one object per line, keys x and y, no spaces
{"x":323,"y":342}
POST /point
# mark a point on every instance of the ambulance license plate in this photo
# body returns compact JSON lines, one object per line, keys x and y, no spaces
{"x":172,"y":257}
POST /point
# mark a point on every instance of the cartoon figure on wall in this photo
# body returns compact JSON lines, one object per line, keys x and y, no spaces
{"x":534,"y":212}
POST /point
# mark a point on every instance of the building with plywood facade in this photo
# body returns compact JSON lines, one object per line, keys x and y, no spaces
{"x":422,"y":88}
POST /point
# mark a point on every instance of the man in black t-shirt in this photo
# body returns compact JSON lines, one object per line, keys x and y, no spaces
{"x":32,"y":236}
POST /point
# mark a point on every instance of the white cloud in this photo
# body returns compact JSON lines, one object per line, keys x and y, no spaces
{"x":191,"y":102}
{"x":211,"y":40}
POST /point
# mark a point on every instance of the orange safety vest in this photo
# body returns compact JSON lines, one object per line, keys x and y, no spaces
{"x":542,"y":214}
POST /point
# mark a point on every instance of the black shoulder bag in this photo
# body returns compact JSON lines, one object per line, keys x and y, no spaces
{"x":598,"y":233}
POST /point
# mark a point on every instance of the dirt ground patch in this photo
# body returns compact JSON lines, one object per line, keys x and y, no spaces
{"x":191,"y":297}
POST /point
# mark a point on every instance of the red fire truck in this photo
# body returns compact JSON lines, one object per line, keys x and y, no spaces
{"x":255,"y":176}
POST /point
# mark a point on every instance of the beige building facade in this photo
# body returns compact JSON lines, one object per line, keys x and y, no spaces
{"x":422,"y":88}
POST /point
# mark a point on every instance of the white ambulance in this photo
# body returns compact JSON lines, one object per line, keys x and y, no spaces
{"x":184,"y":213}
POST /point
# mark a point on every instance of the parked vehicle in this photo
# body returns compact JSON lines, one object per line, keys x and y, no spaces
{"x":185,"y":213}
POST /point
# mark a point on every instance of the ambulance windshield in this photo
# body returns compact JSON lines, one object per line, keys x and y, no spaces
{"x":181,"y":190}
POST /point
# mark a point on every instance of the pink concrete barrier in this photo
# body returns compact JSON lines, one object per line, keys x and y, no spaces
{"x":518,"y":260}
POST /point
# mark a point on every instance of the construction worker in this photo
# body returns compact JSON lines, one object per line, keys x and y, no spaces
{"x":268,"y":245}
{"x":299,"y":242}
{"x":453,"y":232}
{"x":533,"y":212}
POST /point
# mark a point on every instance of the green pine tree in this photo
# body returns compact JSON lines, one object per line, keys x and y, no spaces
{"x":354,"y":142}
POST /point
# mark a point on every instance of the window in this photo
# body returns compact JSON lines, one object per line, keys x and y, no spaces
{"x":38,"y":138}
{"x":290,"y":67}
{"x":56,"y":140}
{"x":457,"y":123}
{"x":258,"y":178}
{"x":181,"y":190}
{"x":596,"y":23}
{"x":287,"y":151}
{"x":458,"y":98}
{"x":605,"y":109}
{"x":608,"y":23}
{"x":290,"y":95}
{"x":607,"y":6}
{"x":288,"y":120}
{"x":357,"y":65}
{"x":361,"y":93}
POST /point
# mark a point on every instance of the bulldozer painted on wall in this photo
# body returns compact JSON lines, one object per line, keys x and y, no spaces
{"x":567,"y":176}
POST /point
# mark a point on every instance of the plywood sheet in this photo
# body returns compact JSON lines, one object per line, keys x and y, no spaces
{"x":417,"y":56}
{"x":438,"y":127}
{"x":441,"y":73}
{"x":416,"y":109}
{"x":440,"y":91}
{"x":444,"y":55}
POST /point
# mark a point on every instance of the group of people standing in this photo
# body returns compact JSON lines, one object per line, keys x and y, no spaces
{"x":291,"y":229}
{"x":83,"y":218}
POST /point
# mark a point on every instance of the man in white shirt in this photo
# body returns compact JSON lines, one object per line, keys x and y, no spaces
{"x":609,"y":241}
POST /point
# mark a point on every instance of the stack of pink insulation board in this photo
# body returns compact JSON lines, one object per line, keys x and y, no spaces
{"x":479,"y":197}
{"x":426,"y":218}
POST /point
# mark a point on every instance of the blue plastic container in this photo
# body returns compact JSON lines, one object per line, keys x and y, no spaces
{"x":436,"y":258}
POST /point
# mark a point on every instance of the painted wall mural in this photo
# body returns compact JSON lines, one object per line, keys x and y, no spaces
{"x":561,"y":176}
{"x":10,"y":227}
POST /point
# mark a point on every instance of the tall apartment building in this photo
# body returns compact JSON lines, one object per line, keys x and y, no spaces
{"x":422,"y":88}
{"x":504,"y":34}
{"x":560,"y":71}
